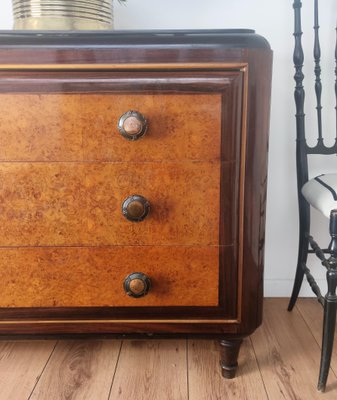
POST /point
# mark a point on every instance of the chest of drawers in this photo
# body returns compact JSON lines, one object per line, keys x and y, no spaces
{"x":132,"y":183}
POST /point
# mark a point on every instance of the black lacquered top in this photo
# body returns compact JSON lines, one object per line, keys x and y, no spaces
{"x":232,"y":38}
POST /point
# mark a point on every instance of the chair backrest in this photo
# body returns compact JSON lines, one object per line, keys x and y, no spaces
{"x":302,"y":148}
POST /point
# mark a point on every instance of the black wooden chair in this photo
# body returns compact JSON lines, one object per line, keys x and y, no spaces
{"x":319,"y":192}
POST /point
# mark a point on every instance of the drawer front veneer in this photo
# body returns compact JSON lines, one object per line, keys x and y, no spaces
{"x":67,"y":204}
{"x":77,"y":127}
{"x":93,"y":277}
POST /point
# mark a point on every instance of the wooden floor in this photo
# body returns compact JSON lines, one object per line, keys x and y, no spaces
{"x":280,"y":361}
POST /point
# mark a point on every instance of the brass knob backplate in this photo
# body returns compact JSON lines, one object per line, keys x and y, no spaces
{"x":135,"y":208}
{"x":132,"y":125}
{"x":137,"y":284}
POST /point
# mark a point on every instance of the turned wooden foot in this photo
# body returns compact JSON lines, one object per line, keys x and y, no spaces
{"x":229,"y":357}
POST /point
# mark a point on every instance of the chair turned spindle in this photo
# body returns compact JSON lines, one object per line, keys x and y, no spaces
{"x":336,"y":80}
{"x":318,"y":82}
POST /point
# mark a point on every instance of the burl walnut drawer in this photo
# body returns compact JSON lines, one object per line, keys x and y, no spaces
{"x":93,"y":277}
{"x":72,"y":204}
{"x":83,"y":126}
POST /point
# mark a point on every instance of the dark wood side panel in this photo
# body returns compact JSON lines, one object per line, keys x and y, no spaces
{"x":259,"y":84}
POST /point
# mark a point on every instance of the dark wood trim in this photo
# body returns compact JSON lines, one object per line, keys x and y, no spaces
{"x":100,"y":313}
{"x":140,"y":328}
{"x":203,"y":81}
{"x":127,"y":47}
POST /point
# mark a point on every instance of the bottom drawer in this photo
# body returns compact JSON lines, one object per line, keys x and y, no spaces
{"x":93,"y":277}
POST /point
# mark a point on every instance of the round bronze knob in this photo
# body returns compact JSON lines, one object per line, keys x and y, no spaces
{"x":135,"y":208}
{"x":132,"y":125}
{"x":137,"y":284}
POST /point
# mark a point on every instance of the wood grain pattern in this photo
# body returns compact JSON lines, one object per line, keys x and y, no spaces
{"x":206,"y":382}
{"x":180,"y":276}
{"x":80,"y":370}
{"x":77,"y":127}
{"x":288,"y":355}
{"x":21,"y":364}
{"x":80,"y":203}
{"x":151,"y":370}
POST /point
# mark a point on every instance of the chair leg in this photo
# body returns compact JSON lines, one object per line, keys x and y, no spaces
{"x":330,"y":306}
{"x":329,"y":323}
{"x":302,"y":252}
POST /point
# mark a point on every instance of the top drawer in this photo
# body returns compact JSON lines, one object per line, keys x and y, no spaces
{"x":75,"y":117}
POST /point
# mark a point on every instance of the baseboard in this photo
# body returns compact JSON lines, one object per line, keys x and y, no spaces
{"x":284,"y":287}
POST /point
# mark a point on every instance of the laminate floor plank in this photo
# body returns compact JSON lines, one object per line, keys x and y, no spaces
{"x":151,"y":370}
{"x":21,"y":364}
{"x":312,"y":312}
{"x":279,"y":362}
{"x":206,"y":382}
{"x":79,"y":370}
{"x":288,"y":355}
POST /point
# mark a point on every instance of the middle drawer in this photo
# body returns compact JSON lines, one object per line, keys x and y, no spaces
{"x":78,"y":203}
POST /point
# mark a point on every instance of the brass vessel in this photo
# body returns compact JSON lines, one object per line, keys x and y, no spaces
{"x":63,"y":14}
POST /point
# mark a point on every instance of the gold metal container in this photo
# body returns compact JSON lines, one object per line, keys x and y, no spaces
{"x":63,"y":14}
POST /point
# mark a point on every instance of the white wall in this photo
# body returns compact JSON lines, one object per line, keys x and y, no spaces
{"x":274,"y":20}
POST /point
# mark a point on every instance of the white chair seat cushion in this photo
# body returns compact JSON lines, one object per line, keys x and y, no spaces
{"x":321,"y":193}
